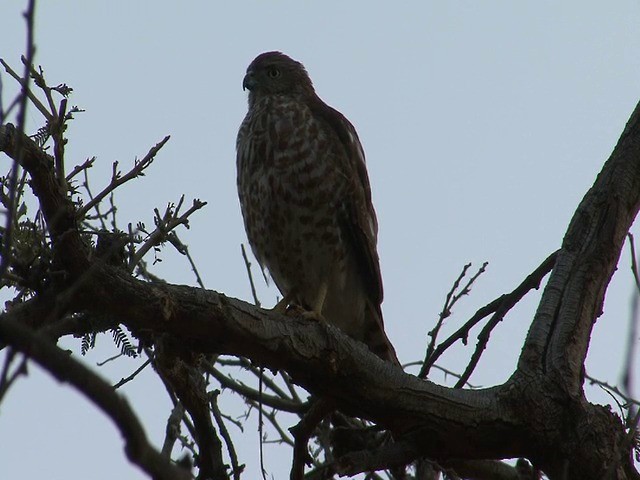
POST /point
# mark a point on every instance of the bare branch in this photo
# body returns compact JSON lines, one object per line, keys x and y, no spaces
{"x":96,"y":205}
{"x":88,"y":163}
{"x":247,"y":265}
{"x":189,"y":387}
{"x":302,"y":432}
{"x":164,"y":225}
{"x":290,"y":386}
{"x":499,"y":307}
{"x":172,"y":237}
{"x":236,"y":469}
{"x":117,"y":179}
{"x":614,"y":390}
{"x":172,"y":430}
{"x":444,"y":370}
{"x":29,"y":94}
{"x":630,"y":354}
{"x":450,"y":299}
{"x":273,"y":420}
{"x":276,"y":402}
{"x":5,"y":251}
{"x":246,"y":364}
{"x":125,"y":380}
{"x":66,"y":369}
{"x":572,"y":300}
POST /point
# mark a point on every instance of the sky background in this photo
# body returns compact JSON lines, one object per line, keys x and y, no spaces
{"x":484,"y":124}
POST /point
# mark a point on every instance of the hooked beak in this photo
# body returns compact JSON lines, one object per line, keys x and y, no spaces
{"x":249,"y":81}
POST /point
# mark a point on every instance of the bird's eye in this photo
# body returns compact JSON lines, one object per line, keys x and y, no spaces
{"x":273,"y":72}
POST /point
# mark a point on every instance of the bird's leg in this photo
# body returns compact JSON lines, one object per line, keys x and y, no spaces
{"x":320,"y":298}
{"x":316,"y":307}
{"x":290,"y":307}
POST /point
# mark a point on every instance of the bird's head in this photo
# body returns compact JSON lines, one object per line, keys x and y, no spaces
{"x":276,"y":73}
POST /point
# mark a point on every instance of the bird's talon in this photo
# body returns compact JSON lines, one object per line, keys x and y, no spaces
{"x":295,"y":310}
{"x":311,"y":315}
{"x":281,"y":307}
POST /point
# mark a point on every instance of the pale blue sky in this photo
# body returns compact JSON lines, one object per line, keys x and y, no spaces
{"x":484,"y":123}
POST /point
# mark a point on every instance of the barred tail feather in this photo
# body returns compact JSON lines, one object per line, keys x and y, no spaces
{"x":376,"y":338}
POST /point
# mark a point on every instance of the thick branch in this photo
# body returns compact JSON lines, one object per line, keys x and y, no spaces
{"x":310,"y":351}
{"x":56,"y":207}
{"x":573,"y":298}
{"x":66,"y":369}
{"x":189,"y":386}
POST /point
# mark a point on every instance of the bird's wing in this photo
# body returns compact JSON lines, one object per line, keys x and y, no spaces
{"x":359,"y":218}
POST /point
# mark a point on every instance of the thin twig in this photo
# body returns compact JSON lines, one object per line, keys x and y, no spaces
{"x":302,"y":433}
{"x":261,"y":422}
{"x":7,"y":236}
{"x":446,"y":371}
{"x":239,"y":425}
{"x":271,"y":416}
{"x":2,"y":112}
{"x":172,"y":432}
{"x":38,"y":78}
{"x":236,"y":469}
{"x":280,"y":403}
{"x":57,"y":128}
{"x":634,"y":264}
{"x":246,"y":364}
{"x":96,"y":205}
{"x":503,"y":303}
{"x":165,"y":224}
{"x":627,"y":373}
{"x":117,"y":179}
{"x":247,"y":265}
{"x":292,"y":389}
{"x":37,"y":103}
{"x":446,"y":310}
{"x":613,"y":389}
{"x":133,"y":375}
{"x":450,"y":300}
{"x":483,"y":340}
{"x":110,"y":359}
{"x":112,"y":210}
{"x":88,"y":163}
{"x":172,"y":237}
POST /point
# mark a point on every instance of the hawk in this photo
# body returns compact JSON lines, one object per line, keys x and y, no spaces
{"x":306,"y":201}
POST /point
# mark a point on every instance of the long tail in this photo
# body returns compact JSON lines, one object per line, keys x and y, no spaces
{"x":376,"y":338}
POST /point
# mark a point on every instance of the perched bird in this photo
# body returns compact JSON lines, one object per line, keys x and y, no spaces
{"x":306,"y":201}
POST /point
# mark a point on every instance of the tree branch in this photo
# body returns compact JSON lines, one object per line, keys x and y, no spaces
{"x":66,"y":369}
{"x":10,"y":223}
{"x":277,"y":402}
{"x":117,"y":179}
{"x":499,"y":307}
{"x":573,"y":298}
{"x":178,"y":369}
{"x":57,"y":208}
